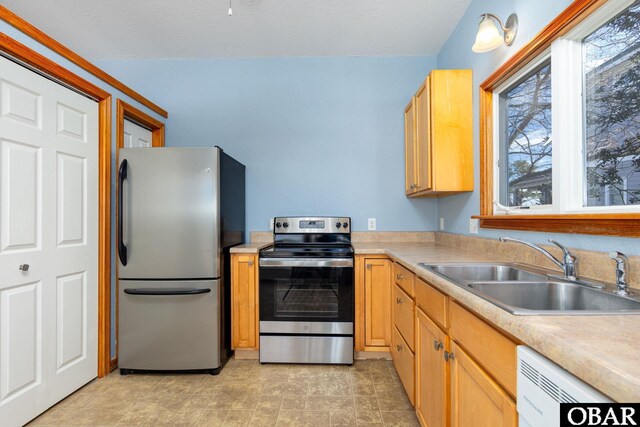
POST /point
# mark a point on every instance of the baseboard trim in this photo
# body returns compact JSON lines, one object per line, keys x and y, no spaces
{"x":368,"y":355}
{"x":247,"y":354}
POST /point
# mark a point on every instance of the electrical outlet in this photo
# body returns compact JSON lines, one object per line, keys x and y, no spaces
{"x":371,"y":224}
{"x":441,"y":223}
{"x":271,"y":224}
{"x":473,"y":225}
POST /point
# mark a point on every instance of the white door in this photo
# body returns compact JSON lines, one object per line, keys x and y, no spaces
{"x":135,"y":136}
{"x":48,"y":222}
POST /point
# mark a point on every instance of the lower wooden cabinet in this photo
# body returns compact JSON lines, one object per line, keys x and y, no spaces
{"x":432,"y":373}
{"x":244,"y":302}
{"x":457,"y":369}
{"x":476,"y":399}
{"x":373,"y":303}
{"x":403,"y":360}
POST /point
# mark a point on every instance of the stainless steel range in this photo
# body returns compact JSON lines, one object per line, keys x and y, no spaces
{"x":307,"y":292}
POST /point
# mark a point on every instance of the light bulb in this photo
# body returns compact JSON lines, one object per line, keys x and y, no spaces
{"x":230,"y":11}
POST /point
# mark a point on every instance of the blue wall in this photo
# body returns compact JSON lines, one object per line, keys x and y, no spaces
{"x":456,"y":53}
{"x":318,"y":135}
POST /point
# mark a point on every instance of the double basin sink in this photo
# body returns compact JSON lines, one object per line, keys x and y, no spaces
{"x":527,"y":290}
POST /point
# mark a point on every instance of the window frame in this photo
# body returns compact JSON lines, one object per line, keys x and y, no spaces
{"x":559,"y":39}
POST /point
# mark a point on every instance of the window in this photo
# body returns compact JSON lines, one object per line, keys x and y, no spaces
{"x":525,"y":140}
{"x":611,"y":78}
{"x":560,"y":126}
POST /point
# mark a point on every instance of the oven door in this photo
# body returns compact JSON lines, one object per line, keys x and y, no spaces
{"x":306,"y":290}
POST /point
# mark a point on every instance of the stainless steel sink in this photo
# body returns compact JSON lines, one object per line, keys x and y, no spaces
{"x":485,"y":272}
{"x":523,"y":297}
{"x":527,"y":290}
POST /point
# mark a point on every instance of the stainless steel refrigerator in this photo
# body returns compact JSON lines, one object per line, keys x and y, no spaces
{"x":180,"y":210}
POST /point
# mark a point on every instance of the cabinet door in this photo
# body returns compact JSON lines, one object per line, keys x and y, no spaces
{"x":409,"y":146}
{"x":377,"y":301}
{"x":432,"y":372}
{"x":423,"y":137}
{"x":244,"y":302}
{"x":476,"y":399}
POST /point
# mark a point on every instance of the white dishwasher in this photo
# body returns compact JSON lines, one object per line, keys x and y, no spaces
{"x":543,"y":385}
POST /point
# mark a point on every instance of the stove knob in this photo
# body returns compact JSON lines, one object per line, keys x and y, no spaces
{"x":278,"y":225}
{"x":285,"y":224}
{"x":338,"y":225}
{"x":345,"y":224}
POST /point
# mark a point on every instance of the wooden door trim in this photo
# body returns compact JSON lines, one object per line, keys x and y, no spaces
{"x":124,"y":111}
{"x":42,"y":38}
{"x":44,"y":65}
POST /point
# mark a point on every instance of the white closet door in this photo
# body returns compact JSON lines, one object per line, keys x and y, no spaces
{"x":48,"y":242}
{"x":135,"y":136}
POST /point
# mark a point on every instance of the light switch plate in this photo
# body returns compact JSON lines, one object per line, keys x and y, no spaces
{"x":271,"y":224}
{"x":441,"y":223}
{"x":473,"y":225}
{"x":371,"y":224}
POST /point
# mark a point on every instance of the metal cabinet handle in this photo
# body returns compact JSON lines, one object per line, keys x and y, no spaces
{"x":24,"y":267}
{"x":412,"y":186}
{"x":399,"y":301}
{"x":399,"y":277}
{"x":437,"y":345}
{"x":398,"y":347}
{"x":448,"y":356}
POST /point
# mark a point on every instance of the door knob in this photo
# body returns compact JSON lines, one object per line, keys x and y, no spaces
{"x":24,"y":267}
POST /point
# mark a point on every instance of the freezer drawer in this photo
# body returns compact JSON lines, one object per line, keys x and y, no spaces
{"x":169,"y":325}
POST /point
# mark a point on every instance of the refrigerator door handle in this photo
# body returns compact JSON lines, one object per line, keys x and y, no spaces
{"x":122,"y":175}
{"x":177,"y":291}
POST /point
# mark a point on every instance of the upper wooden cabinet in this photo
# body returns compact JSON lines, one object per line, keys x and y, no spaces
{"x":439,"y":136}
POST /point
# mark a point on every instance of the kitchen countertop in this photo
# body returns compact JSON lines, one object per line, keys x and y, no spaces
{"x":603,"y":351}
{"x":250,"y":248}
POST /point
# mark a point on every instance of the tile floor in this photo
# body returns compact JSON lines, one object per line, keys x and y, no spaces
{"x":245,"y":393}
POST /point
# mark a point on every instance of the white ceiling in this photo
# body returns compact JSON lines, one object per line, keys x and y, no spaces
{"x":133,"y":29}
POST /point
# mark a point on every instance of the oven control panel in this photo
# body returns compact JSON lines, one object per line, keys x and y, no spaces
{"x":284,"y":225}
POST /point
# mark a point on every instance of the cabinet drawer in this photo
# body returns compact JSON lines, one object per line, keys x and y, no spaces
{"x":403,"y":312}
{"x":494,"y":351}
{"x":433,"y":302}
{"x":403,"y":360}
{"x":404,"y":278}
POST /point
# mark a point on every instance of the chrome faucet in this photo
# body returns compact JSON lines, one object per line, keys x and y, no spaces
{"x":621,"y":273}
{"x":569,"y":263}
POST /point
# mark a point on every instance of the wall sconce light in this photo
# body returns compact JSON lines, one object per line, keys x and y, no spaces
{"x":489,"y":38}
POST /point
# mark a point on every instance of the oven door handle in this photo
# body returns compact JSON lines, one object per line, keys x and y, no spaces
{"x":305,"y":262}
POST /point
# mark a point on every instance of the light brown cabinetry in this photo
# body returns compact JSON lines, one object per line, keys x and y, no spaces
{"x":403,"y":344}
{"x":465,"y":370}
{"x":403,"y":360}
{"x":438,"y":136}
{"x":244,"y":301}
{"x":432,"y":372}
{"x":373,"y":303}
{"x":456,"y":368}
{"x":476,"y":399}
